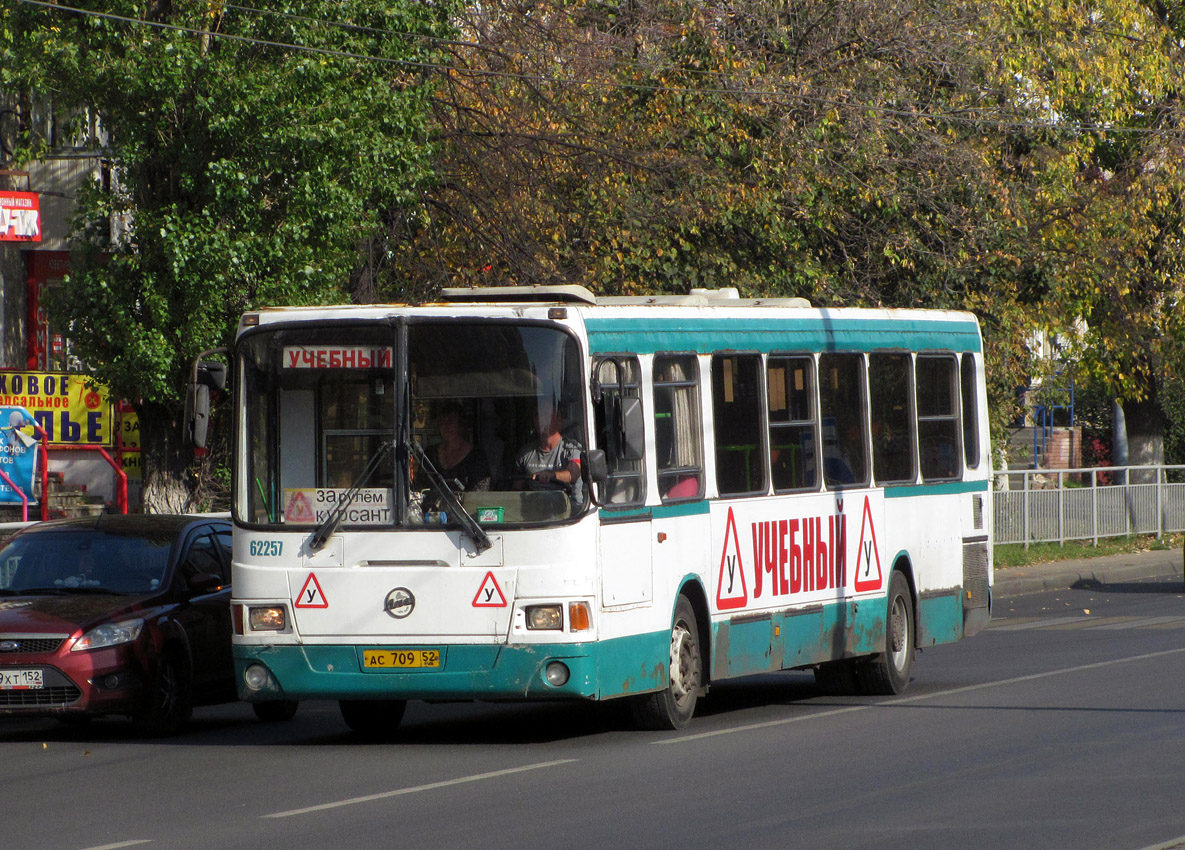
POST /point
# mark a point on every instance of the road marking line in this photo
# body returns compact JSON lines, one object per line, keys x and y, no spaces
{"x":131,"y":843}
{"x":1141,"y":622}
{"x":1175,"y":844}
{"x":429,"y":787}
{"x":1039,"y":624}
{"x":920,"y":697}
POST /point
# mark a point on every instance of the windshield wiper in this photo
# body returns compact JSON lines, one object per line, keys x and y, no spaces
{"x":324,"y":531}
{"x":481,"y":540}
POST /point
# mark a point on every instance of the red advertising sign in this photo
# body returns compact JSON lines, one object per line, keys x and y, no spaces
{"x":20,"y":217}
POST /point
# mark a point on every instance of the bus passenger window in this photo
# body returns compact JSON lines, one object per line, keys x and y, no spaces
{"x":678,"y":448}
{"x":970,"y":412}
{"x":841,"y":404}
{"x":892,"y":424}
{"x":736,"y":408}
{"x":938,"y":417}
{"x":618,"y":378}
{"x":792,"y":423}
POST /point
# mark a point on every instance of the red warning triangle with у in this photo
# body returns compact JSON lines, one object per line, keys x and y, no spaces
{"x":299,"y":509}
{"x":311,"y":595}
{"x":489,"y":595}
{"x":731,"y":590}
{"x":868,"y":558}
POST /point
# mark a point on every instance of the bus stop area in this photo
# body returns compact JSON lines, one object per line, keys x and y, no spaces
{"x":1089,"y":572}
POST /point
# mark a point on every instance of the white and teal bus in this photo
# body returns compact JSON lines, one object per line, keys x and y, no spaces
{"x":756,"y":485}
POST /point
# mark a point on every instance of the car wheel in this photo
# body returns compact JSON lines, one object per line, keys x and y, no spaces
{"x":673,"y":707}
{"x":275,"y":711}
{"x":167,"y":703}
{"x":373,"y":718}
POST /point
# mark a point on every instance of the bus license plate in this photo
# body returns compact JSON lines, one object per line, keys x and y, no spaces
{"x":21,"y":680}
{"x":394,"y":659}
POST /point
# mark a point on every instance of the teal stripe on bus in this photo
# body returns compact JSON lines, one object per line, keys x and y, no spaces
{"x":943,"y":488}
{"x":647,"y":335}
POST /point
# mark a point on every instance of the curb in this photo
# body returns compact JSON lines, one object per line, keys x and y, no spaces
{"x":1089,"y":572}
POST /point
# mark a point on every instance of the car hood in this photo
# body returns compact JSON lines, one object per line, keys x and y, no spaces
{"x":62,"y":614}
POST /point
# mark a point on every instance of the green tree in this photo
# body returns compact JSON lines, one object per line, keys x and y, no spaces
{"x":847,"y":152}
{"x":1097,"y":163}
{"x":252,"y":151}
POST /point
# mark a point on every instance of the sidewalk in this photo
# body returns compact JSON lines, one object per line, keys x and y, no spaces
{"x":1108,"y":569}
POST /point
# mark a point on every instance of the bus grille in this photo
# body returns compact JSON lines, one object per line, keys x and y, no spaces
{"x":975,"y":574}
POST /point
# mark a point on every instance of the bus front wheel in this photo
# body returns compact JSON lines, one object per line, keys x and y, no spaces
{"x":373,"y":718}
{"x":888,"y":672}
{"x":672,"y":707}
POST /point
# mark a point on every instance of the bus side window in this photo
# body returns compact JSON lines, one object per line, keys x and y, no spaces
{"x":618,"y":377}
{"x":892,"y":423}
{"x":677,"y":429}
{"x":841,"y":404}
{"x":970,"y":412}
{"x":938,"y":417}
{"x":737,"y":425}
{"x":793,"y":425}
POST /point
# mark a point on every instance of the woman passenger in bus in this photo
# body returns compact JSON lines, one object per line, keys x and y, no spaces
{"x":455,"y":457}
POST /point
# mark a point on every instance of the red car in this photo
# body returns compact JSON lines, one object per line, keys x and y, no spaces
{"x":121,"y":615}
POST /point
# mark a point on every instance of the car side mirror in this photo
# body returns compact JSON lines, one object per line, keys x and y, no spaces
{"x":205,"y":583}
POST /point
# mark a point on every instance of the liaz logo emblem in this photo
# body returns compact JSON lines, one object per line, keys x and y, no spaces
{"x":399,"y":603}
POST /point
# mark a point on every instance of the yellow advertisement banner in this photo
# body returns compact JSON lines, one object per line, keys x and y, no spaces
{"x":70,"y":412}
{"x":129,"y":440}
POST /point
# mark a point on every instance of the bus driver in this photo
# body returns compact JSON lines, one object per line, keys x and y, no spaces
{"x":553,"y":462}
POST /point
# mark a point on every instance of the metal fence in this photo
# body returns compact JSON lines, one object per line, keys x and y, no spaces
{"x":1056,"y":505}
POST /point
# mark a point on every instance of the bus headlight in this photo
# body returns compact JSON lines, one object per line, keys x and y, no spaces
{"x":270,"y":618}
{"x":545,"y":617}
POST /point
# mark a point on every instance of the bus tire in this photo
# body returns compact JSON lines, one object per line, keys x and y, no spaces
{"x":673,"y":707}
{"x":838,"y":678}
{"x":373,"y":718}
{"x":887,"y":673}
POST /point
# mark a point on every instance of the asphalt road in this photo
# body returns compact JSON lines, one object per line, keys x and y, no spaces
{"x":1058,"y":727}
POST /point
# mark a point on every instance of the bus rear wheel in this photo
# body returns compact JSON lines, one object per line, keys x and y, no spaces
{"x":888,"y":672}
{"x":673,"y":707}
{"x":373,"y":718}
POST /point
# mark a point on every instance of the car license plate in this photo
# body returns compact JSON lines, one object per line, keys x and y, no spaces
{"x":21,"y":680}
{"x":394,"y":659}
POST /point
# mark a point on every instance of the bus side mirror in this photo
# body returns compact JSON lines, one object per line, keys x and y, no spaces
{"x":632,"y":441}
{"x":206,"y":375}
{"x":593,"y":461}
{"x":197,"y":415}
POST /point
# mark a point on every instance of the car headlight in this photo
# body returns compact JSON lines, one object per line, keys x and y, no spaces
{"x":109,"y":634}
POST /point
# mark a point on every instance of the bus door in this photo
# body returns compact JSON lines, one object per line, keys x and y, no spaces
{"x":626,"y":534}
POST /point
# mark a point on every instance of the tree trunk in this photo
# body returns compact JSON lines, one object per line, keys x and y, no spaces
{"x":174,"y":480}
{"x":1142,"y":423}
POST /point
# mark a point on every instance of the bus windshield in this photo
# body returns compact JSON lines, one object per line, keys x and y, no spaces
{"x":477,"y":407}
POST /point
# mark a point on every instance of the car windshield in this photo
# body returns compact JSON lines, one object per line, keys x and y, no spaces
{"x":83,"y":561}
